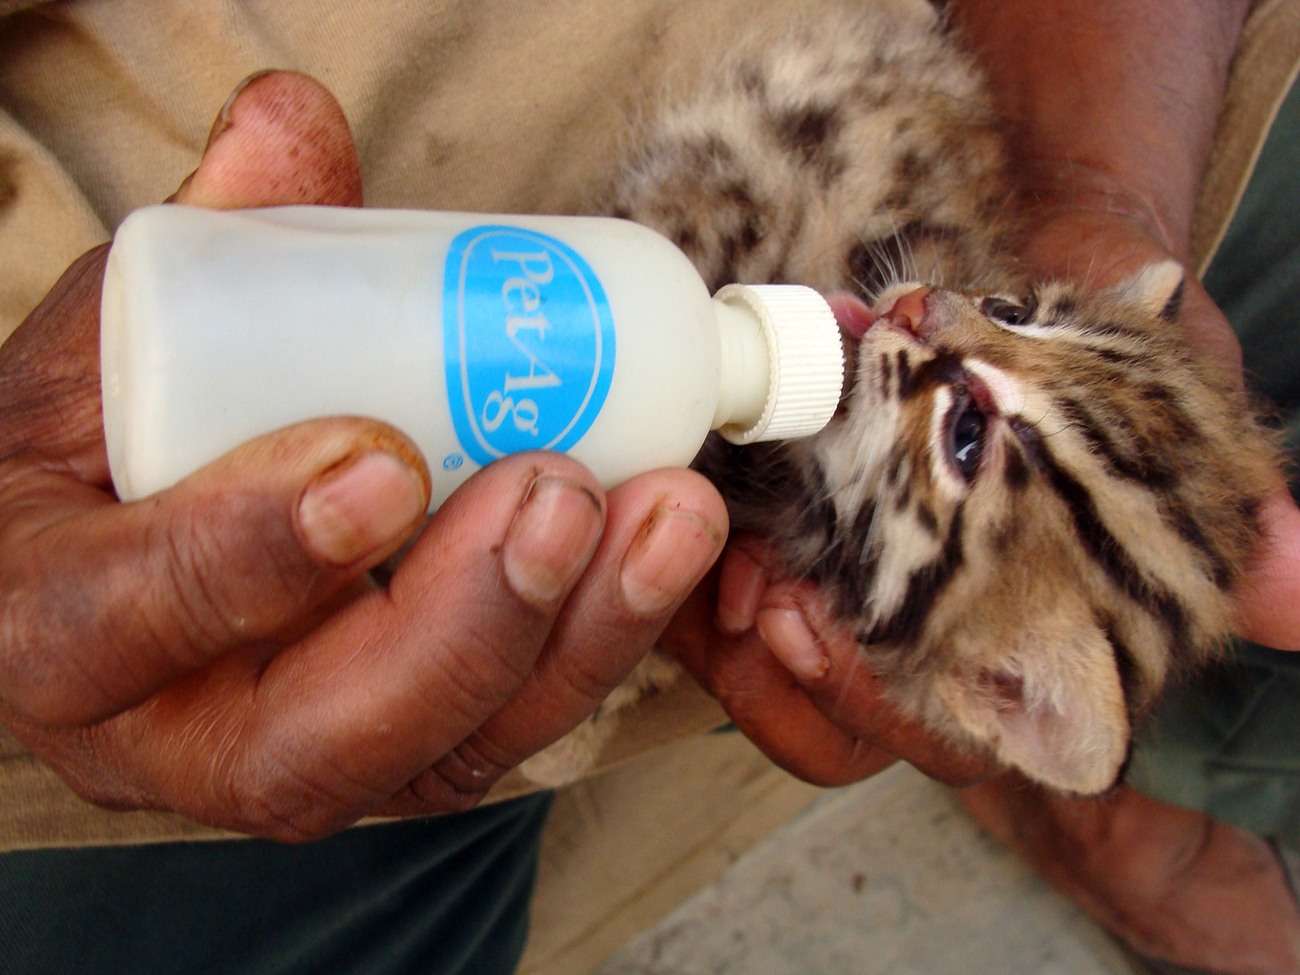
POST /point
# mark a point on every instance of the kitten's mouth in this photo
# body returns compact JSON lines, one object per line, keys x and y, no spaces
{"x":854,"y":317}
{"x":909,"y":312}
{"x":903,"y":313}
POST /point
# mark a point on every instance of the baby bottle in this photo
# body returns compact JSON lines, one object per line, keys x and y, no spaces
{"x":478,"y":336}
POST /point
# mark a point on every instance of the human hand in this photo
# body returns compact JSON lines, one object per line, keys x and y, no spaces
{"x":217,"y":650}
{"x":793,"y":678}
{"x":1089,"y":227}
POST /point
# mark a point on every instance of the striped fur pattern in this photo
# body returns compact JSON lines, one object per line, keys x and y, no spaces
{"x":1035,"y":504}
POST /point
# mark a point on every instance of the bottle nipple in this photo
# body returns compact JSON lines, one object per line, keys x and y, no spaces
{"x":805,"y":360}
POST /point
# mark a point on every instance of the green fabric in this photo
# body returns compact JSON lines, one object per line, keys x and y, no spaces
{"x":1229,"y":743}
{"x":442,"y":895}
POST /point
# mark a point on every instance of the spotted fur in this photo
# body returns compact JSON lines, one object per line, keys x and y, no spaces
{"x":1034,"y":604}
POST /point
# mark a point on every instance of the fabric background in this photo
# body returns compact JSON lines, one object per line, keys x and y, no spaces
{"x":462,"y":104}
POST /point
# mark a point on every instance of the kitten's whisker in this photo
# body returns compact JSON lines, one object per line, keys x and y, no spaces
{"x":877,"y":499}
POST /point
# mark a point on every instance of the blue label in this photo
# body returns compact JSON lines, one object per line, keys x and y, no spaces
{"x":528,"y":342}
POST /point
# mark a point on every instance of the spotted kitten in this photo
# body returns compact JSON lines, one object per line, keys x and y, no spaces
{"x":1035,"y":502}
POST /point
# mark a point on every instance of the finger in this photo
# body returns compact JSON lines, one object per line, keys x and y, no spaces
{"x":1105,"y":246}
{"x":761,"y":695}
{"x":725,"y":607}
{"x":280,"y":139}
{"x":136,"y":595}
{"x":1207,"y":329}
{"x":768,"y":705}
{"x":663,"y":532}
{"x":340,"y":721}
{"x":741,"y":585}
{"x":803,"y":692}
{"x":831,"y":668}
{"x":1269,"y":603}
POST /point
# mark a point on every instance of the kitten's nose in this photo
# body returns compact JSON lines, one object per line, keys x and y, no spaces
{"x":910,"y":310}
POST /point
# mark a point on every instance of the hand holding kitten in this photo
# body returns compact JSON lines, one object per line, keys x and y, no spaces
{"x":1100,"y":230}
{"x":793,"y":679}
{"x":1114,"y":107}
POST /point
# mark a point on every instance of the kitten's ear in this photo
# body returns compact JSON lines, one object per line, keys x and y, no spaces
{"x":1052,"y":708}
{"x":1158,"y":288}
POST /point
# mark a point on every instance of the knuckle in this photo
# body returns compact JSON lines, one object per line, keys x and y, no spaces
{"x":48,"y":704}
{"x":842,"y":764}
{"x":198,"y":612}
{"x":731,"y":690}
{"x":86,"y":760}
{"x":476,"y":673}
{"x":271,"y":795}
{"x":287,"y":811}
{"x":206,"y":772}
{"x":959,"y":770}
{"x":28,"y":680}
{"x":25,"y":476}
{"x":238,"y":576}
{"x":587,"y":679}
{"x":436,"y":791}
{"x":115,"y":796}
{"x":475,"y":765}
{"x":255,"y":816}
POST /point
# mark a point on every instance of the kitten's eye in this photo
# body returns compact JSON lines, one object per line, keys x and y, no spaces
{"x":968,"y":440}
{"x":1007,"y":311}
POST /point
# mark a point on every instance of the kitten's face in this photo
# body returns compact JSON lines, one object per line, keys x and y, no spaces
{"x":1040,"y":503}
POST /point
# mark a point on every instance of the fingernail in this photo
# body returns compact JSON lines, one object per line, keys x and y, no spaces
{"x":665,"y":561}
{"x":223,"y":117}
{"x":741,"y":585}
{"x":219,"y":126}
{"x":361,"y":507}
{"x":791,"y":641}
{"x":551,"y":540}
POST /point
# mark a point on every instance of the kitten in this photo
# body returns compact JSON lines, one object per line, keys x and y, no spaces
{"x":1035,"y":502}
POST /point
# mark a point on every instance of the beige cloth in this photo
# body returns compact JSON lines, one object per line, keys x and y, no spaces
{"x":488,"y":105}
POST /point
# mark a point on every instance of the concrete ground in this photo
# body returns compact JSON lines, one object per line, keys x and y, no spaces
{"x":888,"y":876}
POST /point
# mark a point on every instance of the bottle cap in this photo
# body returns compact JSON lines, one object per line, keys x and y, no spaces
{"x":806,"y":356}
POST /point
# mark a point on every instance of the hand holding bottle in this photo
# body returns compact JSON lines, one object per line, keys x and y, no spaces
{"x":215,"y":649}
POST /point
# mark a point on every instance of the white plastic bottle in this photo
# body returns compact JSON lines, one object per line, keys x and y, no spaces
{"x":478,"y":336}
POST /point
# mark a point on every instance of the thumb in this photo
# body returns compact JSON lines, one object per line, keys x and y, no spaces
{"x":280,"y":139}
{"x":137,"y":595}
{"x":1269,"y":603}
